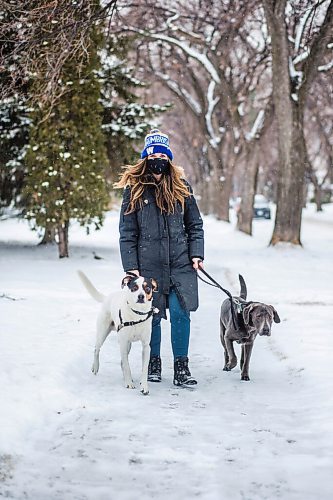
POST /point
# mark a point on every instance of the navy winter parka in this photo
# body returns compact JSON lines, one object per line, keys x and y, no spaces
{"x":162,"y":245}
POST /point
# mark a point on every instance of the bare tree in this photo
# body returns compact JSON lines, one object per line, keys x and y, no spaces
{"x":219,"y":66}
{"x":213,"y":57}
{"x":293,"y":72}
{"x":38,"y":37}
{"x":319,"y":141}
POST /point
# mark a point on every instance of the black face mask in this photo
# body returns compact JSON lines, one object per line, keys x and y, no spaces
{"x":158,"y":166}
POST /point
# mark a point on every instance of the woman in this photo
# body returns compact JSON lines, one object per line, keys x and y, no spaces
{"x":161,"y":236}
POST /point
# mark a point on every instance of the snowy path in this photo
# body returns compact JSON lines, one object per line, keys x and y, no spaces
{"x":69,"y":435}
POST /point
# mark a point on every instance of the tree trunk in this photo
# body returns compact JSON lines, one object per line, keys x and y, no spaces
{"x":318,"y":197}
{"x":223,"y":190}
{"x":289,"y":109}
{"x":63,"y":239}
{"x":220,"y":190}
{"x":245,"y":212}
{"x":49,"y":235}
{"x":221,"y":183}
{"x":203,"y":201}
{"x":290,"y":191}
{"x":289,"y":116}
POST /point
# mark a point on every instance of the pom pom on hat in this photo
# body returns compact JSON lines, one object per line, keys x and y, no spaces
{"x":156,"y":142}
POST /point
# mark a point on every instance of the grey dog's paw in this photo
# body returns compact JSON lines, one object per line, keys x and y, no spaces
{"x":229,"y":366}
{"x":245,"y":377}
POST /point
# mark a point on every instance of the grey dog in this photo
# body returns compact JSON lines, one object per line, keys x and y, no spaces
{"x":253,"y":318}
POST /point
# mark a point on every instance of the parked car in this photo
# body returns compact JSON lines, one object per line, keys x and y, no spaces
{"x":261,"y":208}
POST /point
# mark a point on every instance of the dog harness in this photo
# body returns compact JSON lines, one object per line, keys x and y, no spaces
{"x":132,"y":323}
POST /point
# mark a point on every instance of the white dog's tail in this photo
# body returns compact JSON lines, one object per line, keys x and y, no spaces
{"x":90,"y":287}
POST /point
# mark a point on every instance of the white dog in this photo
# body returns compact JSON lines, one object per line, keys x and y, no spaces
{"x":129,"y":312}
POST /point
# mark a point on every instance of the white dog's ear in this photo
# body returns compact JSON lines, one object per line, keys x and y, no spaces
{"x":155,"y":285}
{"x":126,"y":280}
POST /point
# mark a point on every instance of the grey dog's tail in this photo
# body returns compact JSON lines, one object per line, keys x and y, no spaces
{"x":243,"y":292}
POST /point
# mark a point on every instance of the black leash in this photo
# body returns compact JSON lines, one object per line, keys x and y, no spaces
{"x":217,"y":285}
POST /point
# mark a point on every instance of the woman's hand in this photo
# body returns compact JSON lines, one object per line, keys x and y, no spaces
{"x":197,"y":263}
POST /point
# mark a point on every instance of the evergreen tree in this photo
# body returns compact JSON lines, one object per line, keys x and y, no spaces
{"x":14,"y":136}
{"x":14,"y":125}
{"x":67,"y":159}
{"x":126,"y":121}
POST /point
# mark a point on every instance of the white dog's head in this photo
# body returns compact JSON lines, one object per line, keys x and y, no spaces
{"x":139,"y":289}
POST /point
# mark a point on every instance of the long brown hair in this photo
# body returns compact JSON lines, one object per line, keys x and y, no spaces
{"x":169,"y":190}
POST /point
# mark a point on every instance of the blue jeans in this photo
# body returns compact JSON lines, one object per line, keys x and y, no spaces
{"x":180,"y":329}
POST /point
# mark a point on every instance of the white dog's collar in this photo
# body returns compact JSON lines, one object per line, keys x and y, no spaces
{"x":152,"y":311}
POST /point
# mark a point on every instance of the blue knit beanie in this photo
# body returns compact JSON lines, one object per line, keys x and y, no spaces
{"x":156,"y":142}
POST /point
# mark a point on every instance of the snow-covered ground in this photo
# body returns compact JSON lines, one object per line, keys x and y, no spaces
{"x":66,"y":434}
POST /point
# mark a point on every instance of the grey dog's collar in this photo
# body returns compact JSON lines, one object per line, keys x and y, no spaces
{"x":240,"y":304}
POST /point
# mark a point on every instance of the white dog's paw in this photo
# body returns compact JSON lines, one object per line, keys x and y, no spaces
{"x":95,"y":368}
{"x":144,"y":388}
{"x":130,"y":385}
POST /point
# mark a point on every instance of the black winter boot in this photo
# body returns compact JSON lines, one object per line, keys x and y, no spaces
{"x":155,"y":369}
{"x":182,"y":375}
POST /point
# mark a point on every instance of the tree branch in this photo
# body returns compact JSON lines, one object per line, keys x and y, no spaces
{"x":317,"y":48}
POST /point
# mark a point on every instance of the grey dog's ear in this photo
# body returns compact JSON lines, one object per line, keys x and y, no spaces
{"x":246,"y":313}
{"x":276,"y":317}
{"x":126,"y":280}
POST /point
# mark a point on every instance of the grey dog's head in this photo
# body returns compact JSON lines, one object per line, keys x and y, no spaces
{"x":258,"y":318}
{"x":139,"y":289}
